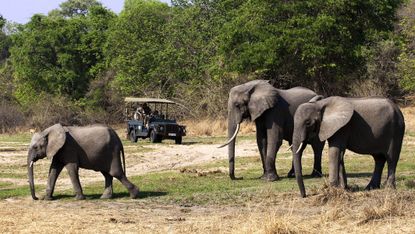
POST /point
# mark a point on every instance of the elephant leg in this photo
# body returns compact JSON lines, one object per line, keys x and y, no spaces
{"x":108,"y":186}
{"x":374,"y":183}
{"x":54,"y":171}
{"x":73,"y":170}
{"x":274,"y":141}
{"x":390,"y":181}
{"x":342,"y":171}
{"x":261,"y":139}
{"x":132,"y":189}
{"x":318,"y":151}
{"x":334,"y":165}
{"x":392,"y":159}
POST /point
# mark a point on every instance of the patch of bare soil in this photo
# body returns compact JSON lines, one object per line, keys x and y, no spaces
{"x":153,"y":158}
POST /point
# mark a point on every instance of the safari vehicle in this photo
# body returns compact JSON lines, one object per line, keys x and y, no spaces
{"x":149,"y":118}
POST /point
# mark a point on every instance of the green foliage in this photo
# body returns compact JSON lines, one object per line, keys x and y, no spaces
{"x":318,"y":42}
{"x":59,"y":56}
{"x":407,"y":56}
{"x":135,"y":44}
{"x":73,"y":8}
{"x":6,"y":69}
{"x":195,"y":50}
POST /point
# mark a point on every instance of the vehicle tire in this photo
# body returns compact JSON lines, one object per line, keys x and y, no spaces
{"x":133,"y":137}
{"x":178,"y":140}
{"x":153,"y":137}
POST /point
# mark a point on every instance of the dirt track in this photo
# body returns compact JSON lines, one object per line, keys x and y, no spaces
{"x":154,"y":157}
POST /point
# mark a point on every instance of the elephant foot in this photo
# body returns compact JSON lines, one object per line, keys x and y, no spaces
{"x":316,"y":174}
{"x":291,"y":174}
{"x":80,"y":197}
{"x":134,"y":193}
{"x":106,"y":196}
{"x":235,"y":178}
{"x":371,"y":186}
{"x":47,"y":198}
{"x":271,"y":177}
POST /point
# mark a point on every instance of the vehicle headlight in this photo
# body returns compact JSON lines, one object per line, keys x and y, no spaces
{"x":139,"y":127}
{"x":161,"y":128}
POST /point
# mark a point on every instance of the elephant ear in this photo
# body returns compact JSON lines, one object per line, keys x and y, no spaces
{"x":56,"y":137}
{"x":263,"y":96}
{"x":336,"y":114}
{"x":315,"y":98}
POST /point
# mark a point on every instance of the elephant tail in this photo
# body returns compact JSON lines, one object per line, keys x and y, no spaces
{"x":123,"y":160}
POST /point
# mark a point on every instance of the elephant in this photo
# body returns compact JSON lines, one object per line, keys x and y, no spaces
{"x":94,"y":147}
{"x":371,"y":125}
{"x":272,"y":110}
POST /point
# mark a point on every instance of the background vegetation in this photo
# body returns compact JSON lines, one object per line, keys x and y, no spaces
{"x":76,"y":64}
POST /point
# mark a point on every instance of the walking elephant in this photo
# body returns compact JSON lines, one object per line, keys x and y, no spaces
{"x":93,"y":147}
{"x":372,"y":126}
{"x":273,"y":111}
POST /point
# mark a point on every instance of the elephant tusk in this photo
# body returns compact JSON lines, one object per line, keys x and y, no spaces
{"x":299,"y":148}
{"x":233,"y":137}
{"x":289,"y":148}
{"x":31,"y":164}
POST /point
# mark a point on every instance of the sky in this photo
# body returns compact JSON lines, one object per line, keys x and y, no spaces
{"x":21,"y":11}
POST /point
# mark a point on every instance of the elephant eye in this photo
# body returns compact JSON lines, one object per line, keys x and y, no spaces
{"x":308,"y":122}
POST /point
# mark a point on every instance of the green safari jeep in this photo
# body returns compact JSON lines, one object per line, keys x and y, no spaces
{"x":148,"y":118}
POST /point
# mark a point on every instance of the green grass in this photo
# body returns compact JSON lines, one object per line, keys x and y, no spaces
{"x":14,"y":192}
{"x":21,"y":138}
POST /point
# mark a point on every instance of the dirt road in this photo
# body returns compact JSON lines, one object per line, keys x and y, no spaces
{"x":140,"y":159}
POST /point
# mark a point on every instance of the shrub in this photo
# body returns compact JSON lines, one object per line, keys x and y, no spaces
{"x":11,"y":117}
{"x":50,"y":110}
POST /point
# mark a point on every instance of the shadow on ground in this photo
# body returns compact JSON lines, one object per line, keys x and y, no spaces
{"x":142,"y":194}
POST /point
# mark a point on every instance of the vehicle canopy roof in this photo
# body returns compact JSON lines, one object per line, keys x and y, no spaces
{"x":147,"y":100}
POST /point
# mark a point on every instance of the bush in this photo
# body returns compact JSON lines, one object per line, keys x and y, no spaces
{"x":11,"y":117}
{"x":50,"y":110}
{"x":381,"y":74}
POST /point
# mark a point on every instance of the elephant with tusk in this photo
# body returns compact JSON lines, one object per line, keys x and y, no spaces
{"x":272,"y":110}
{"x":372,"y":125}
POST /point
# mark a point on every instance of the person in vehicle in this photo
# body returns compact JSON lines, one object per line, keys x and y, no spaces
{"x":143,"y":113}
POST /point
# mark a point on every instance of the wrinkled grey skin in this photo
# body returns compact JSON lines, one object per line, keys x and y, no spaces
{"x":372,"y":126}
{"x":93,"y":147}
{"x":272,"y":110}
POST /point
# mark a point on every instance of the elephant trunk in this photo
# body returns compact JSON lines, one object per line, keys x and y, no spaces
{"x":30,"y":163}
{"x":297,"y":149}
{"x":232,"y":132}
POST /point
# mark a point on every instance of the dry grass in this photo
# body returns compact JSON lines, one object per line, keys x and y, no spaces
{"x":409,"y":113}
{"x":380,"y":211}
{"x":214,"y":127}
{"x":327,"y":194}
{"x":389,"y":205}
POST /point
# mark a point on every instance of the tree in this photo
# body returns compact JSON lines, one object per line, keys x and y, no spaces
{"x":135,"y":43}
{"x":406,"y":30}
{"x":6,"y":70}
{"x":58,"y":55}
{"x":317,"y":43}
{"x":73,"y":8}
